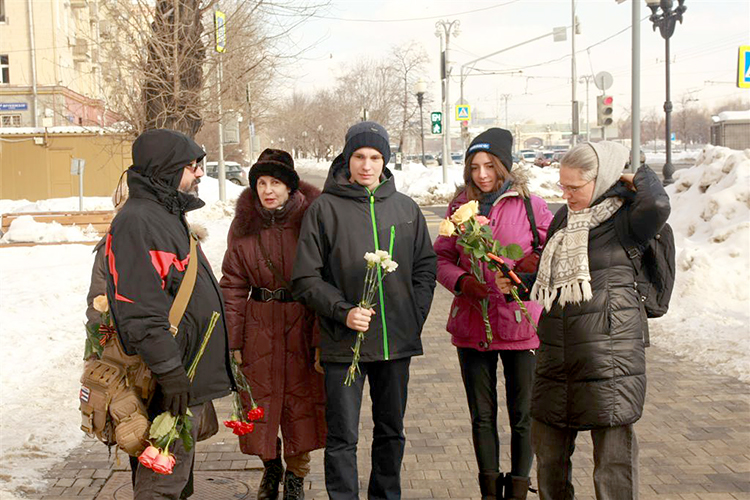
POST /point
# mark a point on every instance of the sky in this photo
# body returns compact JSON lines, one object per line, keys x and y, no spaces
{"x":537,"y":75}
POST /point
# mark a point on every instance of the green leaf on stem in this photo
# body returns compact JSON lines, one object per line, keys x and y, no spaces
{"x":162,"y":424}
{"x":513,"y":252}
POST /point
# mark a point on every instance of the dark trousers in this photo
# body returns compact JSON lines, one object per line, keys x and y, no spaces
{"x":388,"y":381}
{"x":615,"y":462}
{"x":479,"y":373}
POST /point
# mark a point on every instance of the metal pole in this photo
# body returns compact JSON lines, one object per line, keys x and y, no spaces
{"x":222,"y":168}
{"x":80,"y":185}
{"x":420,"y":98}
{"x":574,"y":78}
{"x":668,"y":169}
{"x":445,"y":106}
{"x":635,"y":115}
{"x":588,"y":110}
{"x":447,"y":130}
{"x":35,"y":98}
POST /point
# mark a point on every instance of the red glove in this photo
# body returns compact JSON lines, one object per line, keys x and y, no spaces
{"x":472,"y":288}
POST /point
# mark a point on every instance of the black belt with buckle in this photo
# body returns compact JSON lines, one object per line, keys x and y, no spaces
{"x":266,"y":295}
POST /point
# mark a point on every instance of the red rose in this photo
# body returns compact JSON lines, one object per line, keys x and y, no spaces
{"x":148,"y":456}
{"x":163,"y":464}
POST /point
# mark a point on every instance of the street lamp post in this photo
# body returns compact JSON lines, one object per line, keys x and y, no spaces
{"x":445,"y":28}
{"x":666,"y":20}
{"x":420,"y":88}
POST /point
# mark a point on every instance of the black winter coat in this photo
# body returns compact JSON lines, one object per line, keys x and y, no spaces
{"x":344,"y":223}
{"x":591,"y":364}
{"x":148,"y":249}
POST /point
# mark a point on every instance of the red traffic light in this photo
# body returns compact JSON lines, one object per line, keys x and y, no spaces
{"x":607,"y":100}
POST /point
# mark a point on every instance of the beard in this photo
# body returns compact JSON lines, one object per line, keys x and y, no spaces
{"x":192,"y":189}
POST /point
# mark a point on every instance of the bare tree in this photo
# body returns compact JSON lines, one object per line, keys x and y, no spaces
{"x":410,"y":63}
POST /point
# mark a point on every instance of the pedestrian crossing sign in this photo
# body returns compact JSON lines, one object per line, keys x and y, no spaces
{"x":463,"y":112}
{"x":743,"y":67}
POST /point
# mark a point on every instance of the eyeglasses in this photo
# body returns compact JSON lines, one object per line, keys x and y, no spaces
{"x":193,"y":167}
{"x":572,"y":189}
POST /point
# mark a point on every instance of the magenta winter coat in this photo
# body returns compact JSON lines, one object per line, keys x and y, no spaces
{"x":511,"y":331}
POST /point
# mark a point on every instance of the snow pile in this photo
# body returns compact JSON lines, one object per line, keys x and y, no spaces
{"x":709,"y":315}
{"x":26,"y":229}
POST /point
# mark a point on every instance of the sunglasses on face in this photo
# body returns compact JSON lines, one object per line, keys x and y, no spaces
{"x":193,"y":167}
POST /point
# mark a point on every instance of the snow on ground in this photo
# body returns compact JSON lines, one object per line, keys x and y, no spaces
{"x":425,"y":184}
{"x":43,"y":290}
{"x":709,"y":314}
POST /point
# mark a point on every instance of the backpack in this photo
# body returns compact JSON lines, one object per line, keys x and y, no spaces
{"x":654,"y":265}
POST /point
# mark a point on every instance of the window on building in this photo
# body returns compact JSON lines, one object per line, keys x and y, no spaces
{"x":4,"y":69}
{"x":10,"y":121}
{"x":2,"y":11}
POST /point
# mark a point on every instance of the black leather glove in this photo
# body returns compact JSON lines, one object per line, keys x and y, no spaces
{"x":175,"y":387}
{"x":472,"y":288}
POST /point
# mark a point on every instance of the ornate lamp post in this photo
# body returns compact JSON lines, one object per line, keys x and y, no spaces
{"x":666,"y":20}
{"x":419,"y":89}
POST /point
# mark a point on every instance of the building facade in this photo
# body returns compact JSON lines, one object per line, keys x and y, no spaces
{"x":50,"y":67}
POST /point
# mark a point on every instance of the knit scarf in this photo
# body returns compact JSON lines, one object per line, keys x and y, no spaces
{"x":564,"y":264}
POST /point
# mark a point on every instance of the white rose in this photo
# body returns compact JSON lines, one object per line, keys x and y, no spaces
{"x":465,"y":212}
{"x":446,"y":228}
{"x":101,"y":304}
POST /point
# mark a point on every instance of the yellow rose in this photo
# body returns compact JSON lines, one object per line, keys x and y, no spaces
{"x":446,"y":228}
{"x":101,"y":304}
{"x":465,"y":212}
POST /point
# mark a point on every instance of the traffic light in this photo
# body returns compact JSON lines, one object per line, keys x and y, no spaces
{"x":604,"y":110}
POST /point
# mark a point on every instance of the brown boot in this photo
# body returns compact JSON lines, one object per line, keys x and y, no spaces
{"x":488,"y":485}
{"x":514,"y":487}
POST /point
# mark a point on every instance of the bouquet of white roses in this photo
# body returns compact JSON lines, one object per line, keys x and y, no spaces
{"x":379,"y":264}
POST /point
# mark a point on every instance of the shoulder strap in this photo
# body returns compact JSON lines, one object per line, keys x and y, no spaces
{"x":532,"y":222}
{"x":270,"y":265}
{"x":177,"y":311}
{"x":633,"y":250}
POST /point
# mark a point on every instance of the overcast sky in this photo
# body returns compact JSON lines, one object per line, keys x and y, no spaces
{"x":704,"y":51}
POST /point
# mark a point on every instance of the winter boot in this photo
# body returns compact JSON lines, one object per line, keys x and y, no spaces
{"x":514,"y":487}
{"x":488,"y":482}
{"x":272,"y":475}
{"x":293,"y":487}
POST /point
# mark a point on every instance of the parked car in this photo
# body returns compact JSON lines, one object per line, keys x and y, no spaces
{"x":458,"y":158}
{"x":557,"y":156}
{"x":527,"y":156}
{"x":543,"y":158}
{"x":234,"y":172}
{"x":430,"y":160}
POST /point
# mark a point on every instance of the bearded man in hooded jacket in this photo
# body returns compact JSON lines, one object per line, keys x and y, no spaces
{"x":148,"y":252}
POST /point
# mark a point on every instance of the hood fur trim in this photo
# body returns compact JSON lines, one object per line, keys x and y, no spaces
{"x":249,"y":220}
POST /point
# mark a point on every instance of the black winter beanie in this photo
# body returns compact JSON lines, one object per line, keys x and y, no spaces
{"x":276,"y":163}
{"x":367,"y":135}
{"x":496,"y":141}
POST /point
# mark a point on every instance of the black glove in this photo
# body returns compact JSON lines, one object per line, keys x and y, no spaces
{"x":175,"y":387}
{"x":472,"y":288}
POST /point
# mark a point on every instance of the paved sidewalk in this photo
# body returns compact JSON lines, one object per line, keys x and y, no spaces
{"x":694,"y":439}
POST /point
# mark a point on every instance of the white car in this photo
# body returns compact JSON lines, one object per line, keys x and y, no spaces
{"x":528,"y":157}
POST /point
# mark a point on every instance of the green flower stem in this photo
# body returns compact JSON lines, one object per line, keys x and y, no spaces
{"x":194,"y":365}
{"x":478,"y":273}
{"x":514,"y":293}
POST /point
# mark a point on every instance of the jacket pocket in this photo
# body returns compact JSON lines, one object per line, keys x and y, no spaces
{"x":465,"y":319}
{"x":511,"y":323}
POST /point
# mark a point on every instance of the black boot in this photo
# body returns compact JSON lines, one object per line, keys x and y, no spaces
{"x":488,"y":485}
{"x":514,"y":487}
{"x":269,"y":484}
{"x":293,"y":487}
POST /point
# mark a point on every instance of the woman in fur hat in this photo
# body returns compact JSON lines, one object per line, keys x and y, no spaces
{"x":272,"y":336}
{"x":504,"y":199}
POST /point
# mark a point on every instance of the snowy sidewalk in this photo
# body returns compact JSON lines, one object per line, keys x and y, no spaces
{"x":694,"y":439}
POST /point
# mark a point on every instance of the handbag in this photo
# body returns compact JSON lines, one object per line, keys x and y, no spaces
{"x":209,"y":423}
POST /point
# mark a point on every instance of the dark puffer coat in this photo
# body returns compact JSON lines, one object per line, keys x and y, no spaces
{"x":591,"y":364}
{"x":276,"y":338}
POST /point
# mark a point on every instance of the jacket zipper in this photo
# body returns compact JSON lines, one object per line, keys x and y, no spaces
{"x":381,"y":296}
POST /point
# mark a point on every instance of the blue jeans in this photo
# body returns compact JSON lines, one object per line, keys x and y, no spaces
{"x":615,"y":461}
{"x":388,"y":382}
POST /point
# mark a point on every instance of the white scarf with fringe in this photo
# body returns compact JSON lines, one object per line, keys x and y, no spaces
{"x":564,"y":264}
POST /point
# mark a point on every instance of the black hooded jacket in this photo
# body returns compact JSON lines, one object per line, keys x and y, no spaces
{"x":344,"y":223}
{"x":148,"y":249}
{"x":591,"y":364}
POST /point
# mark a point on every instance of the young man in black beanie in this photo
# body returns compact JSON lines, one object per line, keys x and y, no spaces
{"x":148,"y":250}
{"x":360,"y":211}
